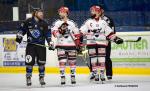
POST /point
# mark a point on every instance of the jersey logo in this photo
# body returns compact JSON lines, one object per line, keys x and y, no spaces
{"x":96,"y":30}
{"x":35,"y":33}
{"x":28,"y":58}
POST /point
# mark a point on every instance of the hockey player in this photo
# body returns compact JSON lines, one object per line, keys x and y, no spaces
{"x":67,"y":34}
{"x":97,"y":32}
{"x":37,"y":31}
{"x":108,"y":62}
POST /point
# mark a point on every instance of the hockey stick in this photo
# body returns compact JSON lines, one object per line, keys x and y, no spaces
{"x":64,"y":29}
{"x":39,"y":45}
{"x":36,"y":44}
{"x":84,"y":53}
{"x":84,"y":56}
{"x":137,"y":40}
{"x":128,"y":40}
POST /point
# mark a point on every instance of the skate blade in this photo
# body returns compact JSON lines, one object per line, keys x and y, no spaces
{"x":95,"y":82}
{"x":92,"y":80}
{"x":62,"y":85}
{"x":73,"y":85}
{"x":102,"y":82}
{"x":28,"y":85}
{"x":42,"y":86}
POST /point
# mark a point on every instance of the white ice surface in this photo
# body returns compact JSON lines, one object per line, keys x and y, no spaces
{"x":16,"y":82}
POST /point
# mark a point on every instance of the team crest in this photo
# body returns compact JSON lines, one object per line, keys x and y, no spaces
{"x":28,"y":58}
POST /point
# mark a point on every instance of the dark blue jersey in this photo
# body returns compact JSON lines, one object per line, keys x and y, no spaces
{"x":37,"y":31}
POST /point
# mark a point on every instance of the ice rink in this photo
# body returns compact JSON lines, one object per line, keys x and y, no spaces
{"x":16,"y":82}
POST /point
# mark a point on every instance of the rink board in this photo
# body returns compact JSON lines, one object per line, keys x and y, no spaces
{"x":128,"y":52}
{"x":79,"y":70}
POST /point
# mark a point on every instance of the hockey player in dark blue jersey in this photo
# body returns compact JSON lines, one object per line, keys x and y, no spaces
{"x":37,"y":31}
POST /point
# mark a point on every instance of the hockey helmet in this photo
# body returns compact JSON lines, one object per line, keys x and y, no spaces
{"x":64,"y":10}
{"x":96,"y":8}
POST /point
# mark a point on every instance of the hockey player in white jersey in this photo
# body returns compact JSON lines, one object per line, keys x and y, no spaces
{"x":97,"y":32}
{"x":67,"y":34}
{"x":108,"y":61}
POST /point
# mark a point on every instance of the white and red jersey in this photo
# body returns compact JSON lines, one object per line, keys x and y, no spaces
{"x":96,"y":31}
{"x":66,"y":39}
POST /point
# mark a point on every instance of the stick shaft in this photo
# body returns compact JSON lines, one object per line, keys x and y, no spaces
{"x":128,"y":40}
{"x":36,"y":44}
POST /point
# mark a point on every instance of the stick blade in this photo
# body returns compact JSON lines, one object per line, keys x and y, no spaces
{"x":139,"y":39}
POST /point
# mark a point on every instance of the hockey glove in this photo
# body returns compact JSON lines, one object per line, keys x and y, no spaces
{"x":19,"y":38}
{"x":118,"y":40}
{"x":51,"y":46}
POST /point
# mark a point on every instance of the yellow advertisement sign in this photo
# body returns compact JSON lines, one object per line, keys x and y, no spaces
{"x":9,"y":44}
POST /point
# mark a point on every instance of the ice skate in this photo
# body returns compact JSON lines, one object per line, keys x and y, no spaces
{"x":28,"y":81}
{"x":63,"y":81}
{"x":73,"y":81}
{"x":42,"y":82}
